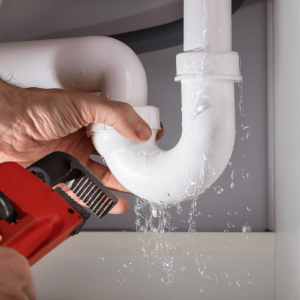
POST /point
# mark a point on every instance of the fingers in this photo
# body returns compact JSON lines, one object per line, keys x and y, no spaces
{"x":30,"y":290}
{"x":15,"y":277}
{"x":106,"y":177}
{"x":161,"y":132}
{"x":120,"y":208}
{"x":121,"y":116}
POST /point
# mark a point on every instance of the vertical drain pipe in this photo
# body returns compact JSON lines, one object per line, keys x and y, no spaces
{"x":207,"y":25}
{"x":207,"y":71}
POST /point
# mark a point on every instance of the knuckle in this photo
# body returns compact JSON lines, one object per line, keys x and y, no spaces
{"x":18,"y":264}
{"x":12,"y":293}
{"x":124,"y":109}
{"x":106,"y":176}
{"x":22,"y":266}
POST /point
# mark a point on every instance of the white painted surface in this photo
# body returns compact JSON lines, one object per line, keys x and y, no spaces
{"x":112,"y":266}
{"x":287,"y":162}
{"x":181,"y":243}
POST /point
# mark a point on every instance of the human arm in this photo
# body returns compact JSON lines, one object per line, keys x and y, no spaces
{"x":35,"y":122}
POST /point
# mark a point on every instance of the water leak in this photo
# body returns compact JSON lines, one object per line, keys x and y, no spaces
{"x":219,"y":190}
{"x":155,"y":218}
{"x":246,"y":228}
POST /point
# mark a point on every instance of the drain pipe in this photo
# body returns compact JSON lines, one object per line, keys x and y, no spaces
{"x":207,"y":71}
{"x":88,"y":64}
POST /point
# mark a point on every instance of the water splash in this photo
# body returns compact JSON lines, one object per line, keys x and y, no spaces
{"x":246,"y":228}
{"x":155,"y":218}
{"x":219,"y":190}
{"x":193,"y":212}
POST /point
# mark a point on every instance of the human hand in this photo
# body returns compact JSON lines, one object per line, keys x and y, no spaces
{"x":15,"y":277}
{"x":35,"y":122}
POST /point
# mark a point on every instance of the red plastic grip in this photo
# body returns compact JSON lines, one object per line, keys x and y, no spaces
{"x":46,"y":219}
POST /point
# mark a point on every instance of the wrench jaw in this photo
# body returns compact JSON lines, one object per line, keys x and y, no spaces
{"x":92,"y":195}
{"x":60,"y":167}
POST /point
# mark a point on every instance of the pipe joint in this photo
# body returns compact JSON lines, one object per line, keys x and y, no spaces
{"x":208,"y":65}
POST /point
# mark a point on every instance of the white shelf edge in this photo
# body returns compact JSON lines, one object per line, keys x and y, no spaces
{"x":179,"y":243}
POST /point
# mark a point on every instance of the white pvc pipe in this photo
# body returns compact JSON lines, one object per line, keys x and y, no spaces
{"x":198,"y":159}
{"x":207,"y":25}
{"x":103,"y":64}
{"x":207,"y":74}
{"x":89,"y":64}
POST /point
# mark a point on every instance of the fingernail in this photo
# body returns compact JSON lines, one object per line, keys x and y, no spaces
{"x":143,"y":131}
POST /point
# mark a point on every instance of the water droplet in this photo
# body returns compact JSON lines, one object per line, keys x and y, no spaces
{"x":209,"y":216}
{"x":82,"y":71}
{"x":246,"y":228}
{"x":154,"y":213}
{"x":179,"y":208}
{"x":218,"y":190}
{"x":72,"y":84}
{"x":230,"y":225}
{"x":249,"y":209}
{"x":166,"y":194}
{"x":232,"y":185}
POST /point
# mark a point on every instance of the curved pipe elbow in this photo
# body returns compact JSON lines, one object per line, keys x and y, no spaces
{"x":199,"y":158}
{"x":89,"y":64}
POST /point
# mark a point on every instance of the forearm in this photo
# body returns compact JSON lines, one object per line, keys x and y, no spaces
{"x":11,"y":107}
{"x":11,"y":101}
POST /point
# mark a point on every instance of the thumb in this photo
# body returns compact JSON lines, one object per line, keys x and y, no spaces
{"x":121,"y":116}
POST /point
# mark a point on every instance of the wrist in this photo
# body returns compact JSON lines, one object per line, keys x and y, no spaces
{"x":10,"y":96}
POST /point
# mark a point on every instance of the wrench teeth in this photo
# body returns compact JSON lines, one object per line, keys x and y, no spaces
{"x":98,"y":201}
